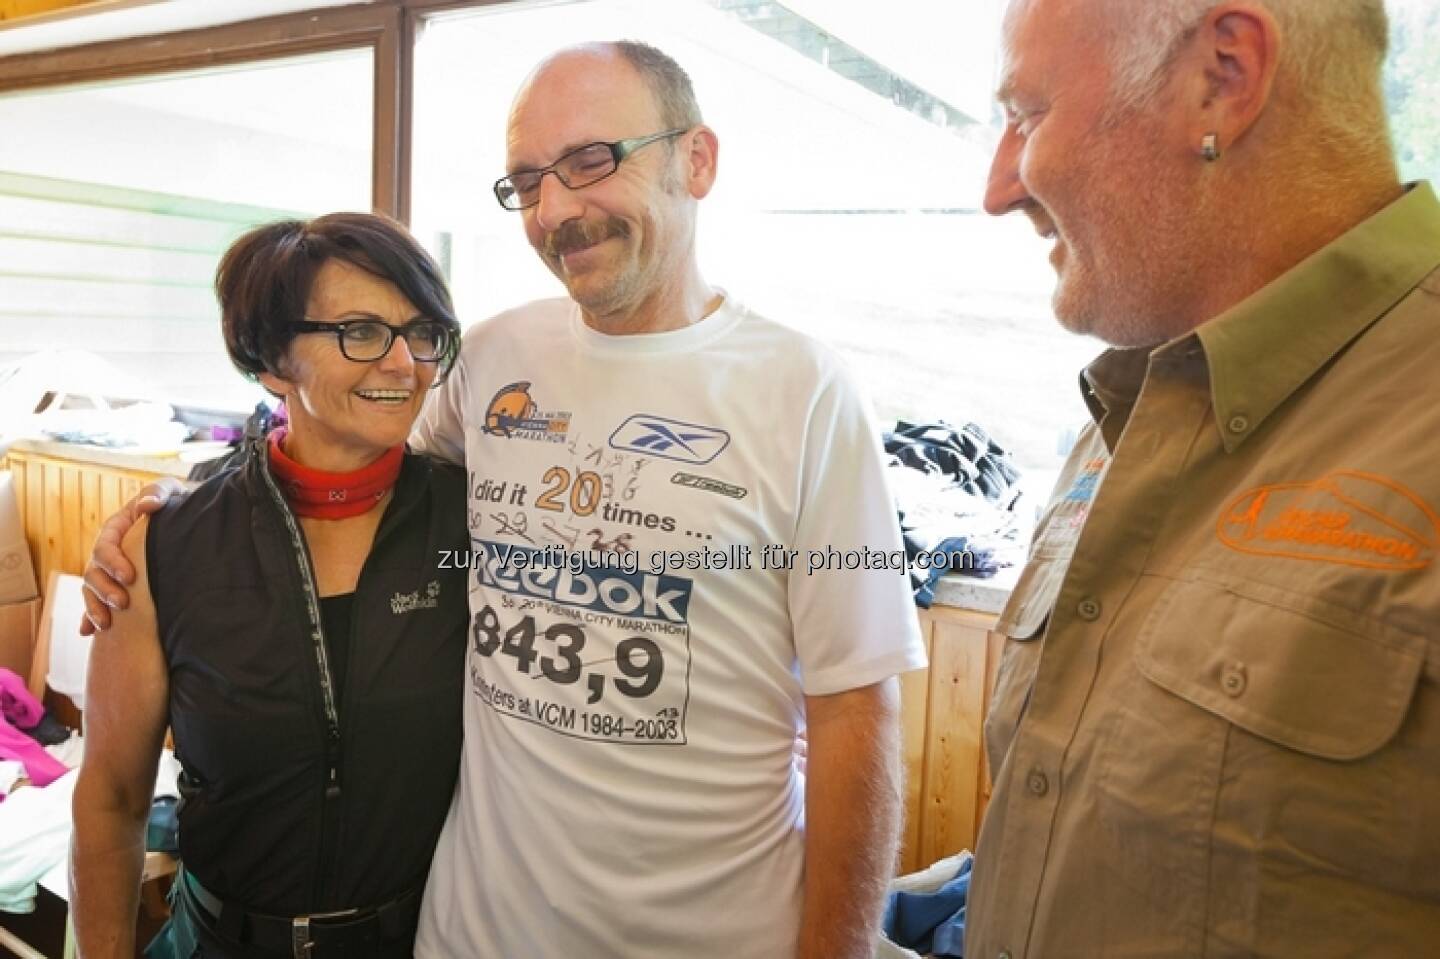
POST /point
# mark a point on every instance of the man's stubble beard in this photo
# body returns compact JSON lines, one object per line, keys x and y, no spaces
{"x":611,"y":289}
{"x":642,"y":272}
{"x":1132,"y":295}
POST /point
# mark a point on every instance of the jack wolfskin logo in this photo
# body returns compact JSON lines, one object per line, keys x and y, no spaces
{"x":669,"y":439}
{"x":409,"y":602}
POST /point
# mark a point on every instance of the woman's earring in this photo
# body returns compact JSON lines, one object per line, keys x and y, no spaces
{"x":1210,"y":147}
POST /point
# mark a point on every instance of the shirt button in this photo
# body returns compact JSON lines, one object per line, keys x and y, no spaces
{"x":1233,"y":679}
{"x":1037,"y":783}
{"x":1088,"y":609}
{"x":1239,"y":423}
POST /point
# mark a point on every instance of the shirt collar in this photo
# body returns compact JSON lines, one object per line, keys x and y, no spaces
{"x":1264,"y":348}
{"x":1111,"y":386}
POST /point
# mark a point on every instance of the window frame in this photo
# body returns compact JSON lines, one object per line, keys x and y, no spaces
{"x":388,"y":28}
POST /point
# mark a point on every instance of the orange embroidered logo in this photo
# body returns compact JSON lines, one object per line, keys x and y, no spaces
{"x":1357,"y":519}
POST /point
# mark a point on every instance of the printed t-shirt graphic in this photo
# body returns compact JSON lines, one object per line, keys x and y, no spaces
{"x":593,"y":685}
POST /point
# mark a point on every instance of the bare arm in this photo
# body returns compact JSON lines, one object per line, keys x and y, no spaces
{"x":852,"y":818}
{"x":110,"y":570}
{"x":125,"y":716}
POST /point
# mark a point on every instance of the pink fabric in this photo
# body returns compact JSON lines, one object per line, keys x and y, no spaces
{"x":42,"y":768}
{"x":16,"y":703}
{"x":19,"y":709}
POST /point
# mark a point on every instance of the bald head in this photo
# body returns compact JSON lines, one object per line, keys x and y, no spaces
{"x":671,"y":93}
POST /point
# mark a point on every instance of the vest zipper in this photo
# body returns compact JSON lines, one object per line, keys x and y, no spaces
{"x":327,"y":687}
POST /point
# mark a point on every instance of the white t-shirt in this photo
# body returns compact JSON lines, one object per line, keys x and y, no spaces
{"x":627,"y":787}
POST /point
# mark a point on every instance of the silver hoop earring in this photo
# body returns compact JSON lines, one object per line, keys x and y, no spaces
{"x":1210,"y":147}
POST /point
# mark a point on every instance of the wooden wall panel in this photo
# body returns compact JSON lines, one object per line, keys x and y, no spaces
{"x":72,"y":516}
{"x":33,"y":509}
{"x":90,"y":515}
{"x":18,"y":484}
{"x":110,"y":498}
{"x":63,"y":503}
{"x":52,"y":516}
{"x":947,"y":784}
{"x":957,"y":694}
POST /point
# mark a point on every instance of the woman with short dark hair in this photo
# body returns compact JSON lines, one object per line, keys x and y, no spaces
{"x":293,"y":627}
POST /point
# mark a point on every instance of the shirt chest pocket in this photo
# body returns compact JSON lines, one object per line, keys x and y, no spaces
{"x":1299,"y":722}
{"x":1022,"y":622}
{"x":1301,"y":673}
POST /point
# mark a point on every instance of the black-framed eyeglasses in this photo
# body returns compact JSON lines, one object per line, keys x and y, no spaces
{"x":368,"y":340}
{"x":578,"y":168}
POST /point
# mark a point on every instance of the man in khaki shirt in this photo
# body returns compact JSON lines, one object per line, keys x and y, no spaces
{"x":1216,"y":725}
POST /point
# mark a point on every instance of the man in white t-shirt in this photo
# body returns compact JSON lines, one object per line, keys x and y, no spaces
{"x":683,"y":550}
{"x":628,"y":788}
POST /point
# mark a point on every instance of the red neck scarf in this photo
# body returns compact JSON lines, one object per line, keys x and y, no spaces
{"x":320,"y":495}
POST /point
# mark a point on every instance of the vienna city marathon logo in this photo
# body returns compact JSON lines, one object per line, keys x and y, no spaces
{"x":513,"y":414}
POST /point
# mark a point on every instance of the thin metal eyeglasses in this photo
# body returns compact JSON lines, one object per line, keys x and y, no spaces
{"x":365,"y":341}
{"x":578,"y":168}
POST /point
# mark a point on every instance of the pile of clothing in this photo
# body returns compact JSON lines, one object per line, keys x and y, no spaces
{"x":25,"y":732}
{"x":39,"y":763}
{"x":36,"y":781}
{"x":957,"y":494}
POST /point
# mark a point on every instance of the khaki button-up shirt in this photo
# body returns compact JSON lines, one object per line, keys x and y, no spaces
{"x":1216,"y":722}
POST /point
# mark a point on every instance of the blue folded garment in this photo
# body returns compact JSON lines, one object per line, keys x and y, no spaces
{"x":931,"y":923}
{"x":979,"y":563}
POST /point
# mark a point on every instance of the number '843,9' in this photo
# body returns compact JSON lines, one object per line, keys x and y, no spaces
{"x":639,"y":660}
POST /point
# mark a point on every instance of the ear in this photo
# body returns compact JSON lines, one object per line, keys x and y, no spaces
{"x":1238,"y":51}
{"x":275,"y":385}
{"x":702,"y":159}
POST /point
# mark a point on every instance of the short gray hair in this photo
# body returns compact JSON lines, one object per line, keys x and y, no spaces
{"x":668,"y":82}
{"x":1335,"y":50}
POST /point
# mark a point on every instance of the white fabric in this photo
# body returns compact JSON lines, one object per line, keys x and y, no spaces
{"x":71,"y":752}
{"x":69,"y":651}
{"x":167,"y":776}
{"x":34,"y":836}
{"x":11,"y":772}
{"x":683,"y":835}
{"x":57,"y":880}
{"x":933,"y":877}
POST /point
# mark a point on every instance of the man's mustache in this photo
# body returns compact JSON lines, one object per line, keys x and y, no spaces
{"x":577,"y":235}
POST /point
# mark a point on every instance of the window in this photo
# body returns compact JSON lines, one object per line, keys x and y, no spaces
{"x":117,"y":199}
{"x":1412,"y":86}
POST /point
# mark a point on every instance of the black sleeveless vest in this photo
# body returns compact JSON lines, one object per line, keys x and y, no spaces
{"x":290,"y":805}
